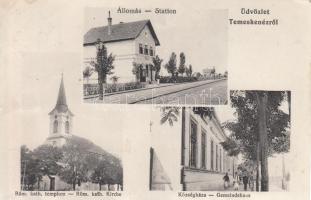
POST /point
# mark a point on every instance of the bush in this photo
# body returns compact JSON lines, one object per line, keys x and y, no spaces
{"x":119,"y":87}
{"x":92,"y":89}
{"x":179,"y":79}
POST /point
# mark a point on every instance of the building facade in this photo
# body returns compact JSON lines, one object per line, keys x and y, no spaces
{"x":133,"y":42}
{"x":199,"y":160}
{"x":204,"y":161}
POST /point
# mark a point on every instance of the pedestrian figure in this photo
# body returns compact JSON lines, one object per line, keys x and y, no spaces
{"x":245,"y":181}
{"x":251,"y":182}
{"x":226,"y":181}
{"x":236,"y":182}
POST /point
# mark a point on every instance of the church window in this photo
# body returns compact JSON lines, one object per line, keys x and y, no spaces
{"x":151,"y":51}
{"x":140,"y":48}
{"x":193,"y":144}
{"x":55,"y":126}
{"x":67,"y":127}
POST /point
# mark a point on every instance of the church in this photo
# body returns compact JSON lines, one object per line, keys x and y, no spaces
{"x":129,"y":42}
{"x":79,"y":164}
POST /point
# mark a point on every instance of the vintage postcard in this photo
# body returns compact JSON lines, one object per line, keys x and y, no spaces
{"x":132,"y":57}
{"x":155,"y":100}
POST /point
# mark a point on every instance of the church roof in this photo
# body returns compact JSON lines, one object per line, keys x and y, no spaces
{"x":119,"y":32}
{"x":61,"y":104}
{"x":91,"y":148}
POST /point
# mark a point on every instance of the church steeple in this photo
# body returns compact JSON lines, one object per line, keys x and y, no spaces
{"x":60,"y":119}
{"x":61,"y":104}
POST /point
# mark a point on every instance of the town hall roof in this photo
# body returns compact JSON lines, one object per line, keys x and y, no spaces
{"x":119,"y":32}
{"x":61,"y":104}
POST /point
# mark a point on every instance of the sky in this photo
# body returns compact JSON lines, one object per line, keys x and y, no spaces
{"x":37,"y":95}
{"x":202,"y":36}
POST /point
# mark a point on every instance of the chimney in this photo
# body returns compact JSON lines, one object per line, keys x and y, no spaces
{"x":109,"y":23}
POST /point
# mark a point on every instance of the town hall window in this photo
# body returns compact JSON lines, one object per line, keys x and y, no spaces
{"x":193,"y":144}
{"x":140,"y":48}
{"x":220,"y":160}
{"x":203,"y":150}
{"x":67,"y":127}
{"x":216,"y":157}
{"x":55,"y":126}
{"x":212,"y":155}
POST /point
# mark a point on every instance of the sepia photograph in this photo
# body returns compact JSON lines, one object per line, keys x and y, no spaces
{"x":65,"y":146}
{"x":161,"y":57}
{"x":131,"y":100}
{"x":241,"y":147}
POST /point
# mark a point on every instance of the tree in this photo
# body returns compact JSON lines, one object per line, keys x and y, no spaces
{"x":213,"y":72}
{"x":198,"y":75}
{"x":137,"y":68}
{"x":76,"y":162}
{"x":189,"y":71}
{"x":48,"y":158}
{"x":108,"y":171}
{"x":182,"y":61}
{"x":171,"y":65}
{"x":231,"y":146}
{"x":114,"y":79}
{"x":261,"y":127}
{"x":87,"y":73}
{"x":170,"y":115}
{"x":157,"y":65}
{"x":226,"y":74}
{"x":84,"y":161}
{"x":30,"y":173}
{"x":103,"y":66}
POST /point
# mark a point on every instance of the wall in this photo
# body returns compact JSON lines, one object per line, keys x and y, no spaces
{"x":212,"y":133}
{"x":166,"y":141}
{"x":145,"y":38}
{"x":126,"y":52}
{"x":124,"y":57}
{"x":61,"y":134}
{"x":201,"y":177}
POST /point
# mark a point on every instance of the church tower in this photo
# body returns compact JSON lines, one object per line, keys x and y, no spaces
{"x":60,"y":119}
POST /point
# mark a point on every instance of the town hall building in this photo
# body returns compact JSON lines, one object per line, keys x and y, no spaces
{"x":131,"y":42}
{"x":188,"y":155}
